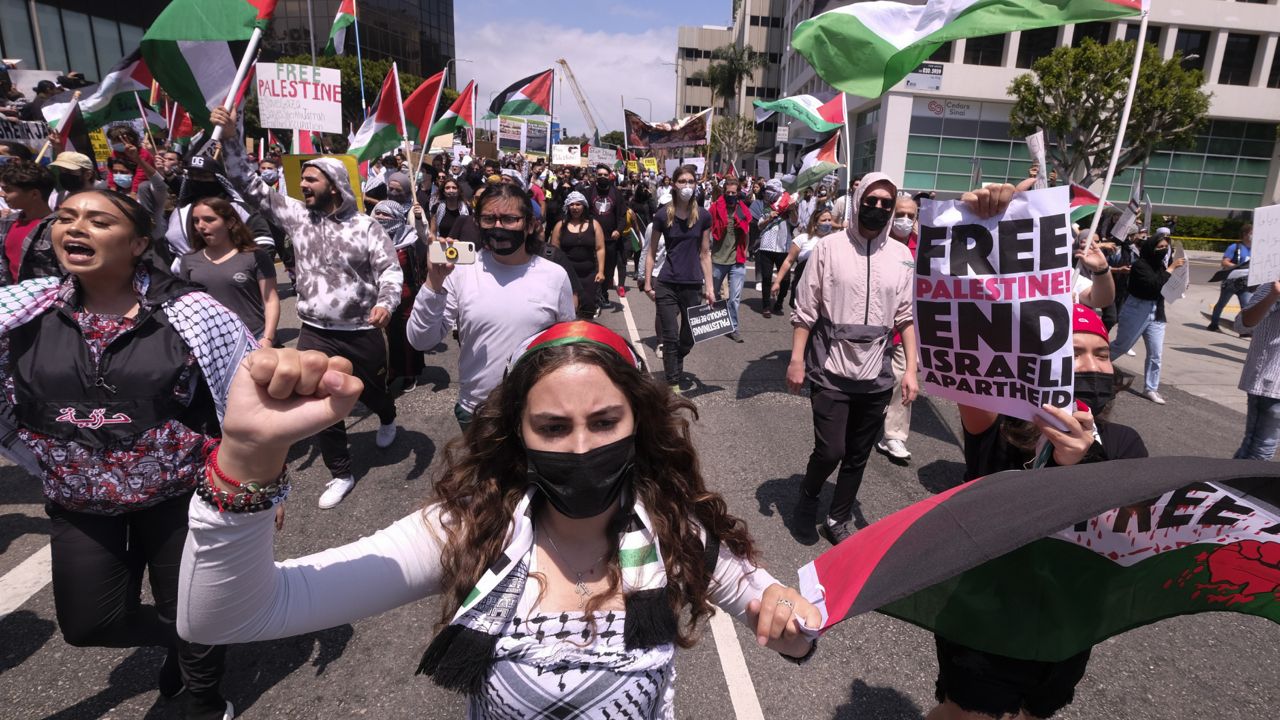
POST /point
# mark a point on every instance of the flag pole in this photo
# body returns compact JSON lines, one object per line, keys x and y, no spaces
{"x":146,"y":125}
{"x":424,"y":135}
{"x":62,"y":131}
{"x":474,"y":92}
{"x":311,"y":31}
{"x":241,"y":73}
{"x":1124,"y":123}
{"x":364,"y":105}
{"x":404,"y":134}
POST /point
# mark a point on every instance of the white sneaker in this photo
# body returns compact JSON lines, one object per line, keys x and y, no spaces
{"x":230,"y":714}
{"x":1153,"y":396}
{"x":335,"y":490}
{"x":894,"y":448}
{"x":1131,"y":353}
{"x":386,"y":434}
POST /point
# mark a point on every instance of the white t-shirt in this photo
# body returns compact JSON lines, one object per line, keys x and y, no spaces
{"x":806,"y":243}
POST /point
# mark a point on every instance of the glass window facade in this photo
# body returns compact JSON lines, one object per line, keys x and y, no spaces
{"x":73,"y":40}
{"x":985,"y":50}
{"x":1237,"y":60}
{"x":1035,"y":44}
{"x":941,"y":149}
{"x":1194,"y":46}
{"x":1099,"y":32}
{"x":16,"y":40}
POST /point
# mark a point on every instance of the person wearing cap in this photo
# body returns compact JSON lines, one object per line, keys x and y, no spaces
{"x":26,"y":229}
{"x":571,"y":538}
{"x":976,"y":684}
{"x":1143,"y":313}
{"x":33,"y":112}
{"x":730,"y":232}
{"x":348,"y":284}
{"x":73,"y":172}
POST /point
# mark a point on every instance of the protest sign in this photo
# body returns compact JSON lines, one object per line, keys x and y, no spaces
{"x":649,"y":164}
{"x":98,"y":138}
{"x":295,"y":97}
{"x":993,"y":304}
{"x":601,"y":156}
{"x":487,"y":149}
{"x":1264,"y":262}
{"x":762,"y":167}
{"x":699,"y":163}
{"x":686,"y":132}
{"x":31,"y":134}
{"x":1035,"y":145}
{"x":710,"y":321}
{"x":633,"y":166}
{"x":1179,"y":280}
{"x":670,"y":166}
{"x":570,"y":155}
{"x":511,"y":134}
{"x":537,"y":138}
{"x":292,"y":167}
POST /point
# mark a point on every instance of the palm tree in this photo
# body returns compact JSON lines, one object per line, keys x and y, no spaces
{"x":730,"y":65}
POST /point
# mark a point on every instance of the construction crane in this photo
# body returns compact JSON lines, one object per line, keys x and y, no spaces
{"x":581,"y":97}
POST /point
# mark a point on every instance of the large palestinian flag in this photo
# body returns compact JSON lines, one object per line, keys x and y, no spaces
{"x":195,"y":46}
{"x":530,"y":96}
{"x":459,"y":115}
{"x":382,"y":130}
{"x":114,"y":99}
{"x":816,"y":162}
{"x":819,"y":116}
{"x":865,"y":48}
{"x":1043,"y":564}
{"x":345,"y":18}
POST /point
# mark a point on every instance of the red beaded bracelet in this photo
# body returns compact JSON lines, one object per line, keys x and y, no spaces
{"x":211,"y":450}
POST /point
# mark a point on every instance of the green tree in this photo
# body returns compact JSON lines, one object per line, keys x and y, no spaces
{"x":613,"y":137}
{"x":731,"y":137}
{"x":1077,"y":95}
{"x":730,"y":65}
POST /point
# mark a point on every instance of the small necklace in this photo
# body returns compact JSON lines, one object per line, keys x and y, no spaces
{"x":579,"y":585}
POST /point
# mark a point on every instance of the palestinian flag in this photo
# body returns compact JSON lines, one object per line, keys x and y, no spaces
{"x":72,"y":135}
{"x":115,"y":99}
{"x":866,"y":48}
{"x":345,"y":18}
{"x":420,"y":107}
{"x":1044,"y":564}
{"x":817,"y":161}
{"x":459,"y":115}
{"x":819,"y":116}
{"x":382,"y":130}
{"x":530,"y":96}
{"x":182,"y":126}
{"x":1083,"y":203}
{"x":195,"y":46}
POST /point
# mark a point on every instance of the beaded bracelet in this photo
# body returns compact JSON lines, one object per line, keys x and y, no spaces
{"x":251,"y":497}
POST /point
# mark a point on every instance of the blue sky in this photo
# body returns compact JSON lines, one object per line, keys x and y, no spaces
{"x":616,"y":50}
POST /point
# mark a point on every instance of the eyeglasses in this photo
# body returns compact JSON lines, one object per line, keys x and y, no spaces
{"x":886,"y":203}
{"x":507,"y":221}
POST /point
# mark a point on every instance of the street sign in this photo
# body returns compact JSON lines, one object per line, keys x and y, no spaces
{"x":784,"y":133}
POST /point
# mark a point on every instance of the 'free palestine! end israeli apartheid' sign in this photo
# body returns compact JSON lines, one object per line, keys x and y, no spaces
{"x":993,"y":304}
{"x":299,"y":97}
{"x":710,"y":321}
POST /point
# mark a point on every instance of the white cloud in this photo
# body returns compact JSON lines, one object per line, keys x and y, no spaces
{"x":607,"y":66}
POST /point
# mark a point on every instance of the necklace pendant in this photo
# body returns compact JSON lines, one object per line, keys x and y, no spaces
{"x":582,"y":590}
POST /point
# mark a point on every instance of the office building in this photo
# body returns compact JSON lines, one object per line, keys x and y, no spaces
{"x":929,"y":134}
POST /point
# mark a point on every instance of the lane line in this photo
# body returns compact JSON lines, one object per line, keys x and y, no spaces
{"x":28,"y":578}
{"x":742,"y":691}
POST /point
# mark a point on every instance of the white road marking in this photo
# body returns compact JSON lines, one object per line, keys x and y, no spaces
{"x":742,"y":692}
{"x":28,"y":578}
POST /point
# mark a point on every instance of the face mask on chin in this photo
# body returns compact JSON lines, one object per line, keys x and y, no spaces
{"x":583,"y":485}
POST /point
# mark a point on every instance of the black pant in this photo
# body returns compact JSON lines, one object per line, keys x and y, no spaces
{"x":97,"y":584}
{"x":766,"y":262}
{"x":845,"y":427}
{"x":367,"y":351}
{"x":673,"y":299}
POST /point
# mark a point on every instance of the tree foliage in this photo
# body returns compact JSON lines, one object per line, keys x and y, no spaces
{"x":613,"y":137}
{"x":730,"y":65}
{"x":1077,"y":96}
{"x":731,"y":137}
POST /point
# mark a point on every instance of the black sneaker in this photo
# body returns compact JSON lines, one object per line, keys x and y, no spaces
{"x":734,"y":336}
{"x":1212,"y":327}
{"x":170,"y":680}
{"x":838,"y":532}
{"x":804,"y":519}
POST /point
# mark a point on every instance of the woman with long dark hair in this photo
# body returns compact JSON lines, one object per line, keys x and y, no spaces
{"x":1143,"y":313}
{"x":113,"y":381}
{"x":231,"y":266}
{"x":570,"y":534}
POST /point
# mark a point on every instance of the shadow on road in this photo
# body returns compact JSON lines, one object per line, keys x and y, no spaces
{"x":881,"y":703}
{"x":779,"y":496}
{"x":19,"y":488}
{"x":15,"y":525}
{"x":136,"y":675}
{"x":254,"y":669}
{"x":1206,"y":352}
{"x":767,"y":373}
{"x":940,"y":475}
{"x":22,"y":634}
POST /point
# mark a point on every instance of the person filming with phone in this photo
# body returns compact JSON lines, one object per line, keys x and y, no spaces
{"x":495,"y":297}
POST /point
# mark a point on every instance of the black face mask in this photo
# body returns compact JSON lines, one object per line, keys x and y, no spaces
{"x":730,"y":200}
{"x":583,"y":485}
{"x":874,"y":217}
{"x":71,"y":182}
{"x":1095,"y":389}
{"x":603,"y":183}
{"x":511,"y":240}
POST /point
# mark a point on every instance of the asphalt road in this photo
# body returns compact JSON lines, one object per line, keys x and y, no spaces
{"x":753,"y":439}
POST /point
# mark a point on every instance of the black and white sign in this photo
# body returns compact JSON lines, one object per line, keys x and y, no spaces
{"x":710,"y":321}
{"x":926,"y":77}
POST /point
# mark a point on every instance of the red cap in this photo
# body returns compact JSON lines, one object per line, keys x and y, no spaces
{"x":1085,"y":320}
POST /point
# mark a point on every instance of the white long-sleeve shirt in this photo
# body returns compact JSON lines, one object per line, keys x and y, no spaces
{"x":495,"y":307}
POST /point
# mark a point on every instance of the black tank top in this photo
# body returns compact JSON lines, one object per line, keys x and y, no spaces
{"x":580,"y":247}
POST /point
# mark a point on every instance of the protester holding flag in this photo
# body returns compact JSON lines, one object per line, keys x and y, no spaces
{"x":1143,"y":313}
{"x":581,"y":239}
{"x":119,"y":457}
{"x":776,"y":217}
{"x":348,"y":285}
{"x":27,"y":229}
{"x":977,"y":684}
{"x":730,"y":232}
{"x":121,"y":137}
{"x":685,"y":279}
{"x":617,"y":567}
{"x":451,"y":217}
{"x":507,"y":294}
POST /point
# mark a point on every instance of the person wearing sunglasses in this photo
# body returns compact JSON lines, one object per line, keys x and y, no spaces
{"x":856,"y":292}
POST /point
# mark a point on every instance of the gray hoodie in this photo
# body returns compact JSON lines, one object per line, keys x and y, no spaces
{"x":345,"y":262}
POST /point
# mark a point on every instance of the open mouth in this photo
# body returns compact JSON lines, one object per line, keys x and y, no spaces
{"x":77,"y":250}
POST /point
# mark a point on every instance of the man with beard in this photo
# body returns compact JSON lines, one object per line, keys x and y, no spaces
{"x":608,"y":208}
{"x":348,"y":284}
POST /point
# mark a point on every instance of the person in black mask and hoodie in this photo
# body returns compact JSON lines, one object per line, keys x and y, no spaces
{"x":1143,"y":313}
{"x":973,"y":684}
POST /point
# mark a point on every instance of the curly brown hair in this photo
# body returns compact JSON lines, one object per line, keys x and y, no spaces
{"x":484,"y":478}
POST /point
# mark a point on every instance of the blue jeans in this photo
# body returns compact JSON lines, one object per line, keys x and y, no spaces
{"x":1138,"y":320}
{"x":737,"y":276}
{"x":1261,"y":429}
{"x":1224,"y":295}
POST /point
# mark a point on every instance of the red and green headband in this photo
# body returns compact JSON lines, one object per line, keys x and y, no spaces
{"x":574,"y":332}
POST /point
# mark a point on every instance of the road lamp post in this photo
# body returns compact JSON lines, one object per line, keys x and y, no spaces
{"x":648,"y":117}
{"x":454,"y":62}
